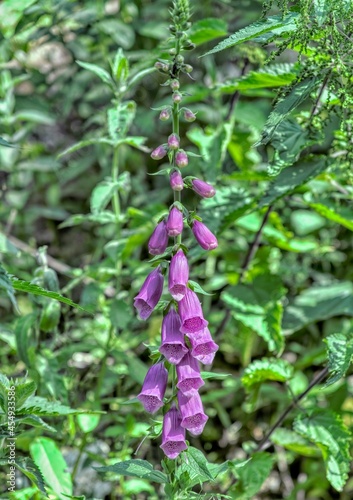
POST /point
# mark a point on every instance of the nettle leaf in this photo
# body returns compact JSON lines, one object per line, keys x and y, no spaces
{"x":198,"y":463}
{"x":293,"y":177}
{"x":25,"y":286}
{"x":288,"y":23}
{"x":293,"y":441}
{"x":322,"y":8}
{"x":276,"y":75}
{"x":299,"y":93}
{"x":257,"y":306}
{"x":23,"y":391}
{"x":30,"y":470}
{"x":6,"y":285}
{"x":35,"y":421}
{"x":98,"y":71}
{"x":265,"y":369}
{"x":136,"y":468}
{"x":36,"y":405}
{"x":339,"y":353}
{"x":252,"y":475}
{"x":48,"y":458}
{"x":328,"y":432}
{"x":207,"y":29}
{"x":317,"y":304}
{"x":335,"y":213}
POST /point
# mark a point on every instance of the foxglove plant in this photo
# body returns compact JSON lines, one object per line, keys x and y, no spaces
{"x":186,"y":340}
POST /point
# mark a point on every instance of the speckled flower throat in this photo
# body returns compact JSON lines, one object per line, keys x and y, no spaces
{"x":185,"y":339}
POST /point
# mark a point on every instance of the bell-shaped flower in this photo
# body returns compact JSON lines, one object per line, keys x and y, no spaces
{"x":159,"y":153}
{"x":178,"y":275}
{"x":203,"y":235}
{"x":181,"y":159}
{"x":175,"y":222}
{"x":173,"y":345}
{"x":189,"y":378}
{"x":173,"y":434}
{"x":203,"y":189}
{"x":150,"y":293}
{"x":159,"y":239}
{"x":202,"y":347}
{"x":154,"y":387}
{"x":190,"y":312}
{"x":193,"y":417}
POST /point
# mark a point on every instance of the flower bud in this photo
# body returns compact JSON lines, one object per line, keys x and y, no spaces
{"x":181,"y":159}
{"x":179,"y":59}
{"x":203,"y":235}
{"x":178,"y":276}
{"x":189,"y":116}
{"x":150,"y":293}
{"x":176,"y":181}
{"x":164,"y":115}
{"x":172,"y":52}
{"x":175,"y":222}
{"x":173,"y":141}
{"x":174,"y":84}
{"x":176,"y":97}
{"x":187,"y":68}
{"x":203,"y":189}
{"x":159,"y":239}
{"x":154,"y":387}
{"x":159,"y":153}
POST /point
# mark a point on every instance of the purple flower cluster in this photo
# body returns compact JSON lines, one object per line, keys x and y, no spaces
{"x":185,"y":338}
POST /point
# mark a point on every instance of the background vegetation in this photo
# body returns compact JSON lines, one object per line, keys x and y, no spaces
{"x":79,"y":202}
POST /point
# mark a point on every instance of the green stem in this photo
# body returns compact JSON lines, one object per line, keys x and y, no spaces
{"x":117,"y":210}
{"x":81,"y":450}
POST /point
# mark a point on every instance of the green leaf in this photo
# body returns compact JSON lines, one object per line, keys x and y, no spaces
{"x":266,"y":369}
{"x":36,"y":405}
{"x":97,"y":70}
{"x":48,"y":458}
{"x":198,"y":288}
{"x":335,"y":213}
{"x":215,"y":375}
{"x":206,"y":30}
{"x":288,"y":23}
{"x":120,"y":67}
{"x":35,"y":421}
{"x":30,"y":470}
{"x":277,"y":75}
{"x":317,"y":304}
{"x":296,"y":96}
{"x":292,"y":441}
{"x":293,"y":177}
{"x":7,"y":286}
{"x":322,"y":8}
{"x":252,"y":475}
{"x":102,"y":194}
{"x":25,"y":286}
{"x":23,"y":328}
{"x":23,"y":391}
{"x":88,"y":422}
{"x":136,"y":468}
{"x":86,"y":142}
{"x":339,"y":353}
{"x":5,"y":143}
{"x":197,"y":462}
{"x":327,"y":431}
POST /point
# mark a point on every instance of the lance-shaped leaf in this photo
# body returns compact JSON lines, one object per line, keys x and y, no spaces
{"x":136,"y":468}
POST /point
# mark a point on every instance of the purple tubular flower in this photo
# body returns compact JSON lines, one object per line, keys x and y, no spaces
{"x":175,"y":222}
{"x":173,"y":141}
{"x":189,"y":378}
{"x":181,"y":159}
{"x":178,"y":276}
{"x":150,"y":293}
{"x":153,"y":388}
{"x":202,"y":347}
{"x":176,"y":181}
{"x":159,"y":153}
{"x":159,"y":239}
{"x":173,"y":434}
{"x":203,"y":189}
{"x":190,"y":312}
{"x":192,"y":414}
{"x":203,"y":235}
{"x":173,"y":345}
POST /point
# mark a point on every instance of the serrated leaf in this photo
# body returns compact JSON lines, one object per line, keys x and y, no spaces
{"x":339,"y":353}
{"x":277,"y":75}
{"x":136,"y":468}
{"x":252,"y":475}
{"x":206,"y":30}
{"x":6,"y":285}
{"x":30,"y":470}
{"x":23,"y":391}
{"x":25,"y":286}
{"x":288,"y":23}
{"x":36,"y":405}
{"x":299,"y":93}
{"x":35,"y":421}
{"x":197,"y":462}
{"x":98,"y":71}
{"x":266,"y":369}
{"x":335,"y":213}
{"x":48,"y":458}
{"x":322,"y":8}
{"x":292,"y":441}
{"x":327,"y":431}
{"x":317,"y":304}
{"x":293,"y":177}
{"x":198,"y":288}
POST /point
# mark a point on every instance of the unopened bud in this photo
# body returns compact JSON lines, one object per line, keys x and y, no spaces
{"x":173,"y":141}
{"x":174,"y":84}
{"x":189,"y":116}
{"x":187,"y":68}
{"x":164,"y":115}
{"x":172,"y":29}
{"x":181,"y":159}
{"x":176,"y":181}
{"x":188,"y":45}
{"x":176,"y":97}
{"x":172,"y":52}
{"x":159,"y":153}
{"x":179,"y":59}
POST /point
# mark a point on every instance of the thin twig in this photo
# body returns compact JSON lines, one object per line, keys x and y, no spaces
{"x":316,"y":380}
{"x":316,"y":106}
{"x":255,"y":244}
